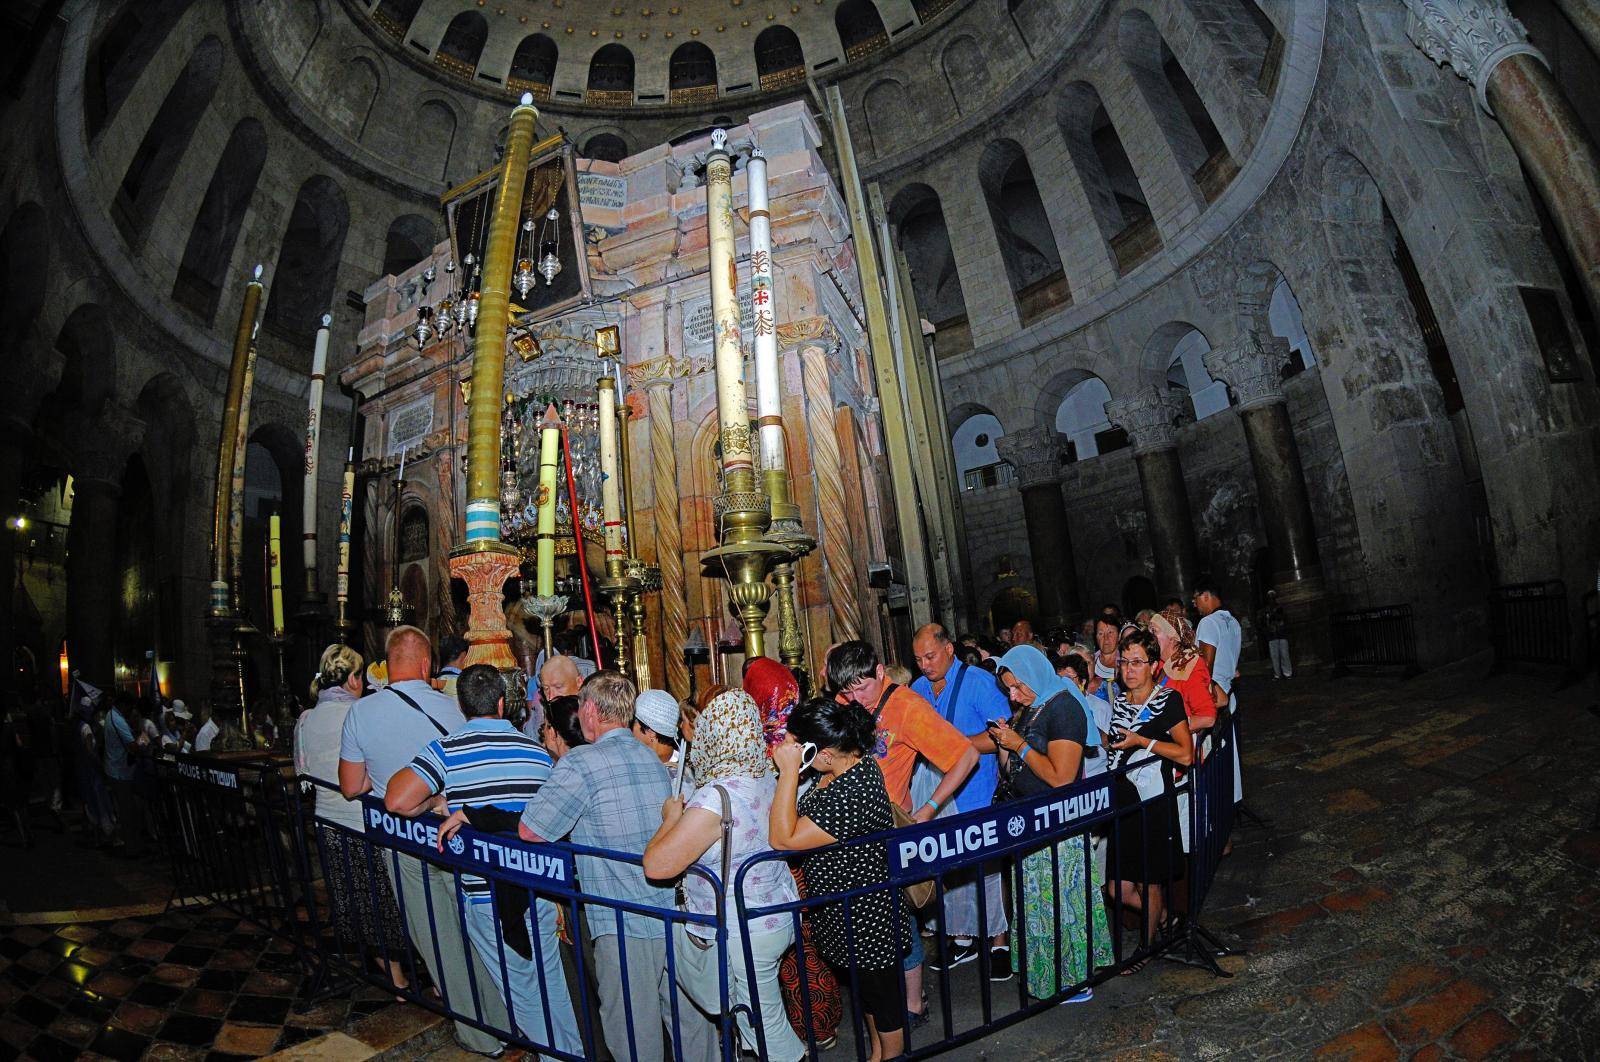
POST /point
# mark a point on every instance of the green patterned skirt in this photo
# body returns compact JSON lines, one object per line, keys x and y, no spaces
{"x":1059,"y":905}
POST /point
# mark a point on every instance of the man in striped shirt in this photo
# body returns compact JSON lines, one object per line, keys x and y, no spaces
{"x":490,"y":770}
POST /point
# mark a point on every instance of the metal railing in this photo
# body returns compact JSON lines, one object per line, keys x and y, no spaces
{"x":1529,"y":624}
{"x":1384,"y":636}
{"x":1080,"y":869}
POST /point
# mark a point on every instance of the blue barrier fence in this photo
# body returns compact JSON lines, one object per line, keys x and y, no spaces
{"x":1091,"y":878}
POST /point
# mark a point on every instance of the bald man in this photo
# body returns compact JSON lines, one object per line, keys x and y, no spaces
{"x":383,"y":733}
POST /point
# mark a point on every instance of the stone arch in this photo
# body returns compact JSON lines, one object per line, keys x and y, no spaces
{"x":780,"y":60}
{"x":1109,"y":181}
{"x":972,"y":440}
{"x":437,"y":119}
{"x":87,"y":342}
{"x":464,"y":39}
{"x":410,"y":239}
{"x":860,"y":27}
{"x":608,"y":147}
{"x":924,"y":237}
{"x":1287,"y":321}
{"x":349,"y":97}
{"x":966,"y":70}
{"x":887,"y":105}
{"x":1022,"y":228}
{"x":396,"y":15}
{"x":120,"y":54}
{"x":216,"y":227}
{"x":168,"y":450}
{"x":24,"y":269}
{"x":308,"y":260}
{"x":135,"y":542}
{"x":693,"y":65}
{"x":611,"y":71}
{"x":535,"y":60}
{"x":150,"y":172}
{"x":1171,"y":358}
{"x":1179,"y":113}
{"x":273,"y":480}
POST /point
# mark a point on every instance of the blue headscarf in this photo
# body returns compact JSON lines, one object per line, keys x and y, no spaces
{"x":1033,"y":669}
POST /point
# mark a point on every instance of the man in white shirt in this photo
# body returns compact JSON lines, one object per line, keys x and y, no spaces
{"x":383,"y":733}
{"x":1219,"y":639}
{"x":208,"y":732}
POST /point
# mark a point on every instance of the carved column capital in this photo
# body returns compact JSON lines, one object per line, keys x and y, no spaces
{"x":657,"y":372}
{"x":1150,"y":417}
{"x":1472,"y":37}
{"x":101,"y":448}
{"x":1035,"y":454}
{"x":1252,"y":368}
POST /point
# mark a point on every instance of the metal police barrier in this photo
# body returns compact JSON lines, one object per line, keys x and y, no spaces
{"x":1529,"y":624}
{"x":1384,"y":636}
{"x":1093,"y":887}
{"x":555,"y":995}
{"x":229,"y":829}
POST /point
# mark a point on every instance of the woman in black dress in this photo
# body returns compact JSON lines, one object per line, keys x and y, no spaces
{"x":1150,"y":735}
{"x":848,"y":800}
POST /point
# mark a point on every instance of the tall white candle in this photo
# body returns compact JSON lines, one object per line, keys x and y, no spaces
{"x":308,"y":512}
{"x":769,"y":385}
{"x":610,"y":503}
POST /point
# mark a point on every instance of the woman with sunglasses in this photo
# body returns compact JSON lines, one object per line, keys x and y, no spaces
{"x":1150,"y":735}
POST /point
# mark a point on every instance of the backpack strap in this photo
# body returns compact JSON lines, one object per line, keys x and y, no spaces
{"x":436,"y":724}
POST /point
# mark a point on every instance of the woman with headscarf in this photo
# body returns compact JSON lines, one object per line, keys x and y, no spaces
{"x":1042,"y":750}
{"x":355,"y":875}
{"x":731,"y":807}
{"x":1184,"y":669}
{"x":776,"y":693}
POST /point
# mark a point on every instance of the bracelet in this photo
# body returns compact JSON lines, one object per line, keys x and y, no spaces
{"x":935,"y":805}
{"x":1150,"y":747}
{"x":1023,"y":758}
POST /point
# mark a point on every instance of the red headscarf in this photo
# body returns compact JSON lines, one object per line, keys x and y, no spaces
{"x":775,"y":691}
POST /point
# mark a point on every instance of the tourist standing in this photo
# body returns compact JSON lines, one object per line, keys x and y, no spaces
{"x":453,"y":650}
{"x":1275,"y":627}
{"x":1060,"y":892}
{"x":1219,"y":638}
{"x":365,"y":914}
{"x":968,"y":701}
{"x":383,"y":732}
{"x":608,"y":794}
{"x":487,"y":771}
{"x":120,"y":749}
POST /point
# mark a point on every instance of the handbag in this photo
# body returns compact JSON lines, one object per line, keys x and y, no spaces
{"x":682,"y":894}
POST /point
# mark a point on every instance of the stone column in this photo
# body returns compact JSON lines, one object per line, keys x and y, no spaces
{"x":658,"y":380}
{"x":14,"y":438}
{"x":92,"y":578}
{"x":1252,"y":369}
{"x":1483,"y":43}
{"x":1150,"y":418}
{"x":1035,"y":454}
{"x":833,"y":520}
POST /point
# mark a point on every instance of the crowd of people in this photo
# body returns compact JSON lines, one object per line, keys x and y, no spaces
{"x":702,"y":788}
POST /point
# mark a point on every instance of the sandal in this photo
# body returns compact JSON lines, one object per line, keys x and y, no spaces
{"x":1136,"y":967}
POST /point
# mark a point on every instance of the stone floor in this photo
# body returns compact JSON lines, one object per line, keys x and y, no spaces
{"x":1425,"y":887}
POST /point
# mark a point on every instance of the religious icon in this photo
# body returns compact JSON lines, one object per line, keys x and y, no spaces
{"x":608,"y":341}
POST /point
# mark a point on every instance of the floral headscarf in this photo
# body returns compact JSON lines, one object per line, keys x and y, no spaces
{"x":775,"y":691}
{"x":1186,"y":652}
{"x":728,"y":742}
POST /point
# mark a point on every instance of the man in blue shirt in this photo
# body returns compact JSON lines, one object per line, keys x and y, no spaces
{"x":488,"y":771}
{"x":968,"y":698}
{"x":121,"y":749}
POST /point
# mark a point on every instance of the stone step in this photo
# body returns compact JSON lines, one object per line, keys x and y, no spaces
{"x":400,"y":1031}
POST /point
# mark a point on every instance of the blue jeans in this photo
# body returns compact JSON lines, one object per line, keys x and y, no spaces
{"x":528,"y":975}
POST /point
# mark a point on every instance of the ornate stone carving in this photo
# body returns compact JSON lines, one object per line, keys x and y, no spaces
{"x":1150,"y":417}
{"x":1252,"y":368}
{"x":816,"y":327}
{"x":1472,"y":37}
{"x":1035,"y":454}
{"x":662,"y":370}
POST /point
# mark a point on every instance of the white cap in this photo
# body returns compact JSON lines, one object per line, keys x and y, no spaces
{"x":658,"y":710}
{"x":180,"y":710}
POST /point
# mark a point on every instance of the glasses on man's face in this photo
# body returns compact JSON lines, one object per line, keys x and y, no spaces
{"x":1134,"y":661}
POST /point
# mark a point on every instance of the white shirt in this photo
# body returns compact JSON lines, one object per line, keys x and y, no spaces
{"x":316,"y":754}
{"x":1221,"y":630}
{"x":207,"y":734}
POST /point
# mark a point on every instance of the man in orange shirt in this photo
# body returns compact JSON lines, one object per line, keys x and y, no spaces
{"x":908,"y":727}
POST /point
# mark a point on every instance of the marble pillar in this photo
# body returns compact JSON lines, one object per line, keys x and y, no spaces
{"x":1150,"y":418}
{"x":1253,"y":370}
{"x":1035,"y":454}
{"x":833,"y":520}
{"x":15,"y":436}
{"x":1483,"y":43}
{"x":669,"y":535}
